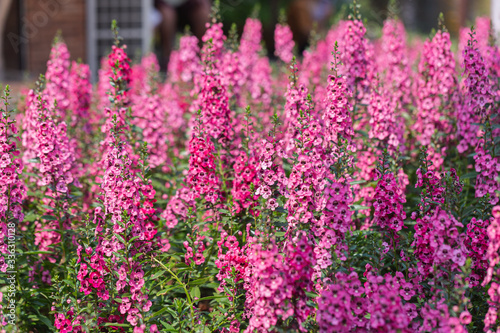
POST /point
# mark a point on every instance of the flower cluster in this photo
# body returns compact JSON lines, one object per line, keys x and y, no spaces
{"x":342,"y":307}
{"x":185,"y":63}
{"x":388,"y":204}
{"x":250,"y":45}
{"x":395,"y":60}
{"x":488,"y":168}
{"x":437,"y":242}
{"x":213,"y":42}
{"x":119,"y":72}
{"x":199,"y":247}
{"x":383,"y":122}
{"x":214,"y":106}
{"x":245,"y":170}
{"x":177,"y":207}
{"x":353,"y":53}
{"x":127,"y":217}
{"x":337,"y":114}
{"x":271,"y":175}
{"x":477,"y":94}
{"x":12,"y":188}
{"x":201,"y":176}
{"x":476,"y":243}
{"x":275,"y":285}
{"x":434,"y":87}
{"x":333,"y":226}
{"x":57,"y":160}
{"x":231,"y":261}
{"x":149,"y":113}
{"x":58,"y":87}
{"x":80,"y":95}
{"x":491,"y":279}
{"x":221,"y":197}
{"x":283,"y":42}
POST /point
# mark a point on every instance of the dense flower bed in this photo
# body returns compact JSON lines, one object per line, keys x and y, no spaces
{"x":352,"y":189}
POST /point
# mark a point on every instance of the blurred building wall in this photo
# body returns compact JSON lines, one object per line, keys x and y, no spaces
{"x":10,"y":62}
{"x":422,"y":15}
{"x":40,"y":22}
{"x":495,"y":17}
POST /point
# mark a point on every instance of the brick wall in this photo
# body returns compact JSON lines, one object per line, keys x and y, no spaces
{"x":41,"y":21}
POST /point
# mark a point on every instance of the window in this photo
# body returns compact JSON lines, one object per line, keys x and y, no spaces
{"x":133,"y":18}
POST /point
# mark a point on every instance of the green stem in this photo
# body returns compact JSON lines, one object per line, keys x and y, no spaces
{"x":210,"y":251}
{"x":183,"y":287}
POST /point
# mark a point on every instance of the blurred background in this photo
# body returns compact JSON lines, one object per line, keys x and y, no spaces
{"x":27,"y":27}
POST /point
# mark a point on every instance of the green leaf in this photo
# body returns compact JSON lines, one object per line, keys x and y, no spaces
{"x":46,"y":321}
{"x":120,"y":238}
{"x":198,"y":281}
{"x":312,"y":295}
{"x":49,"y":217}
{"x":117,"y":325}
{"x":69,"y":283}
{"x":469,"y":175}
{"x":157,"y":275}
{"x":38,"y":252}
{"x":119,"y":256}
{"x":281,"y":210}
{"x":164,"y":291}
{"x":212,"y":285}
{"x":31,"y":174}
{"x":358,"y":207}
{"x":157,"y":313}
{"x":195,"y":292}
{"x":169,"y":327}
{"x":210,"y":298}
